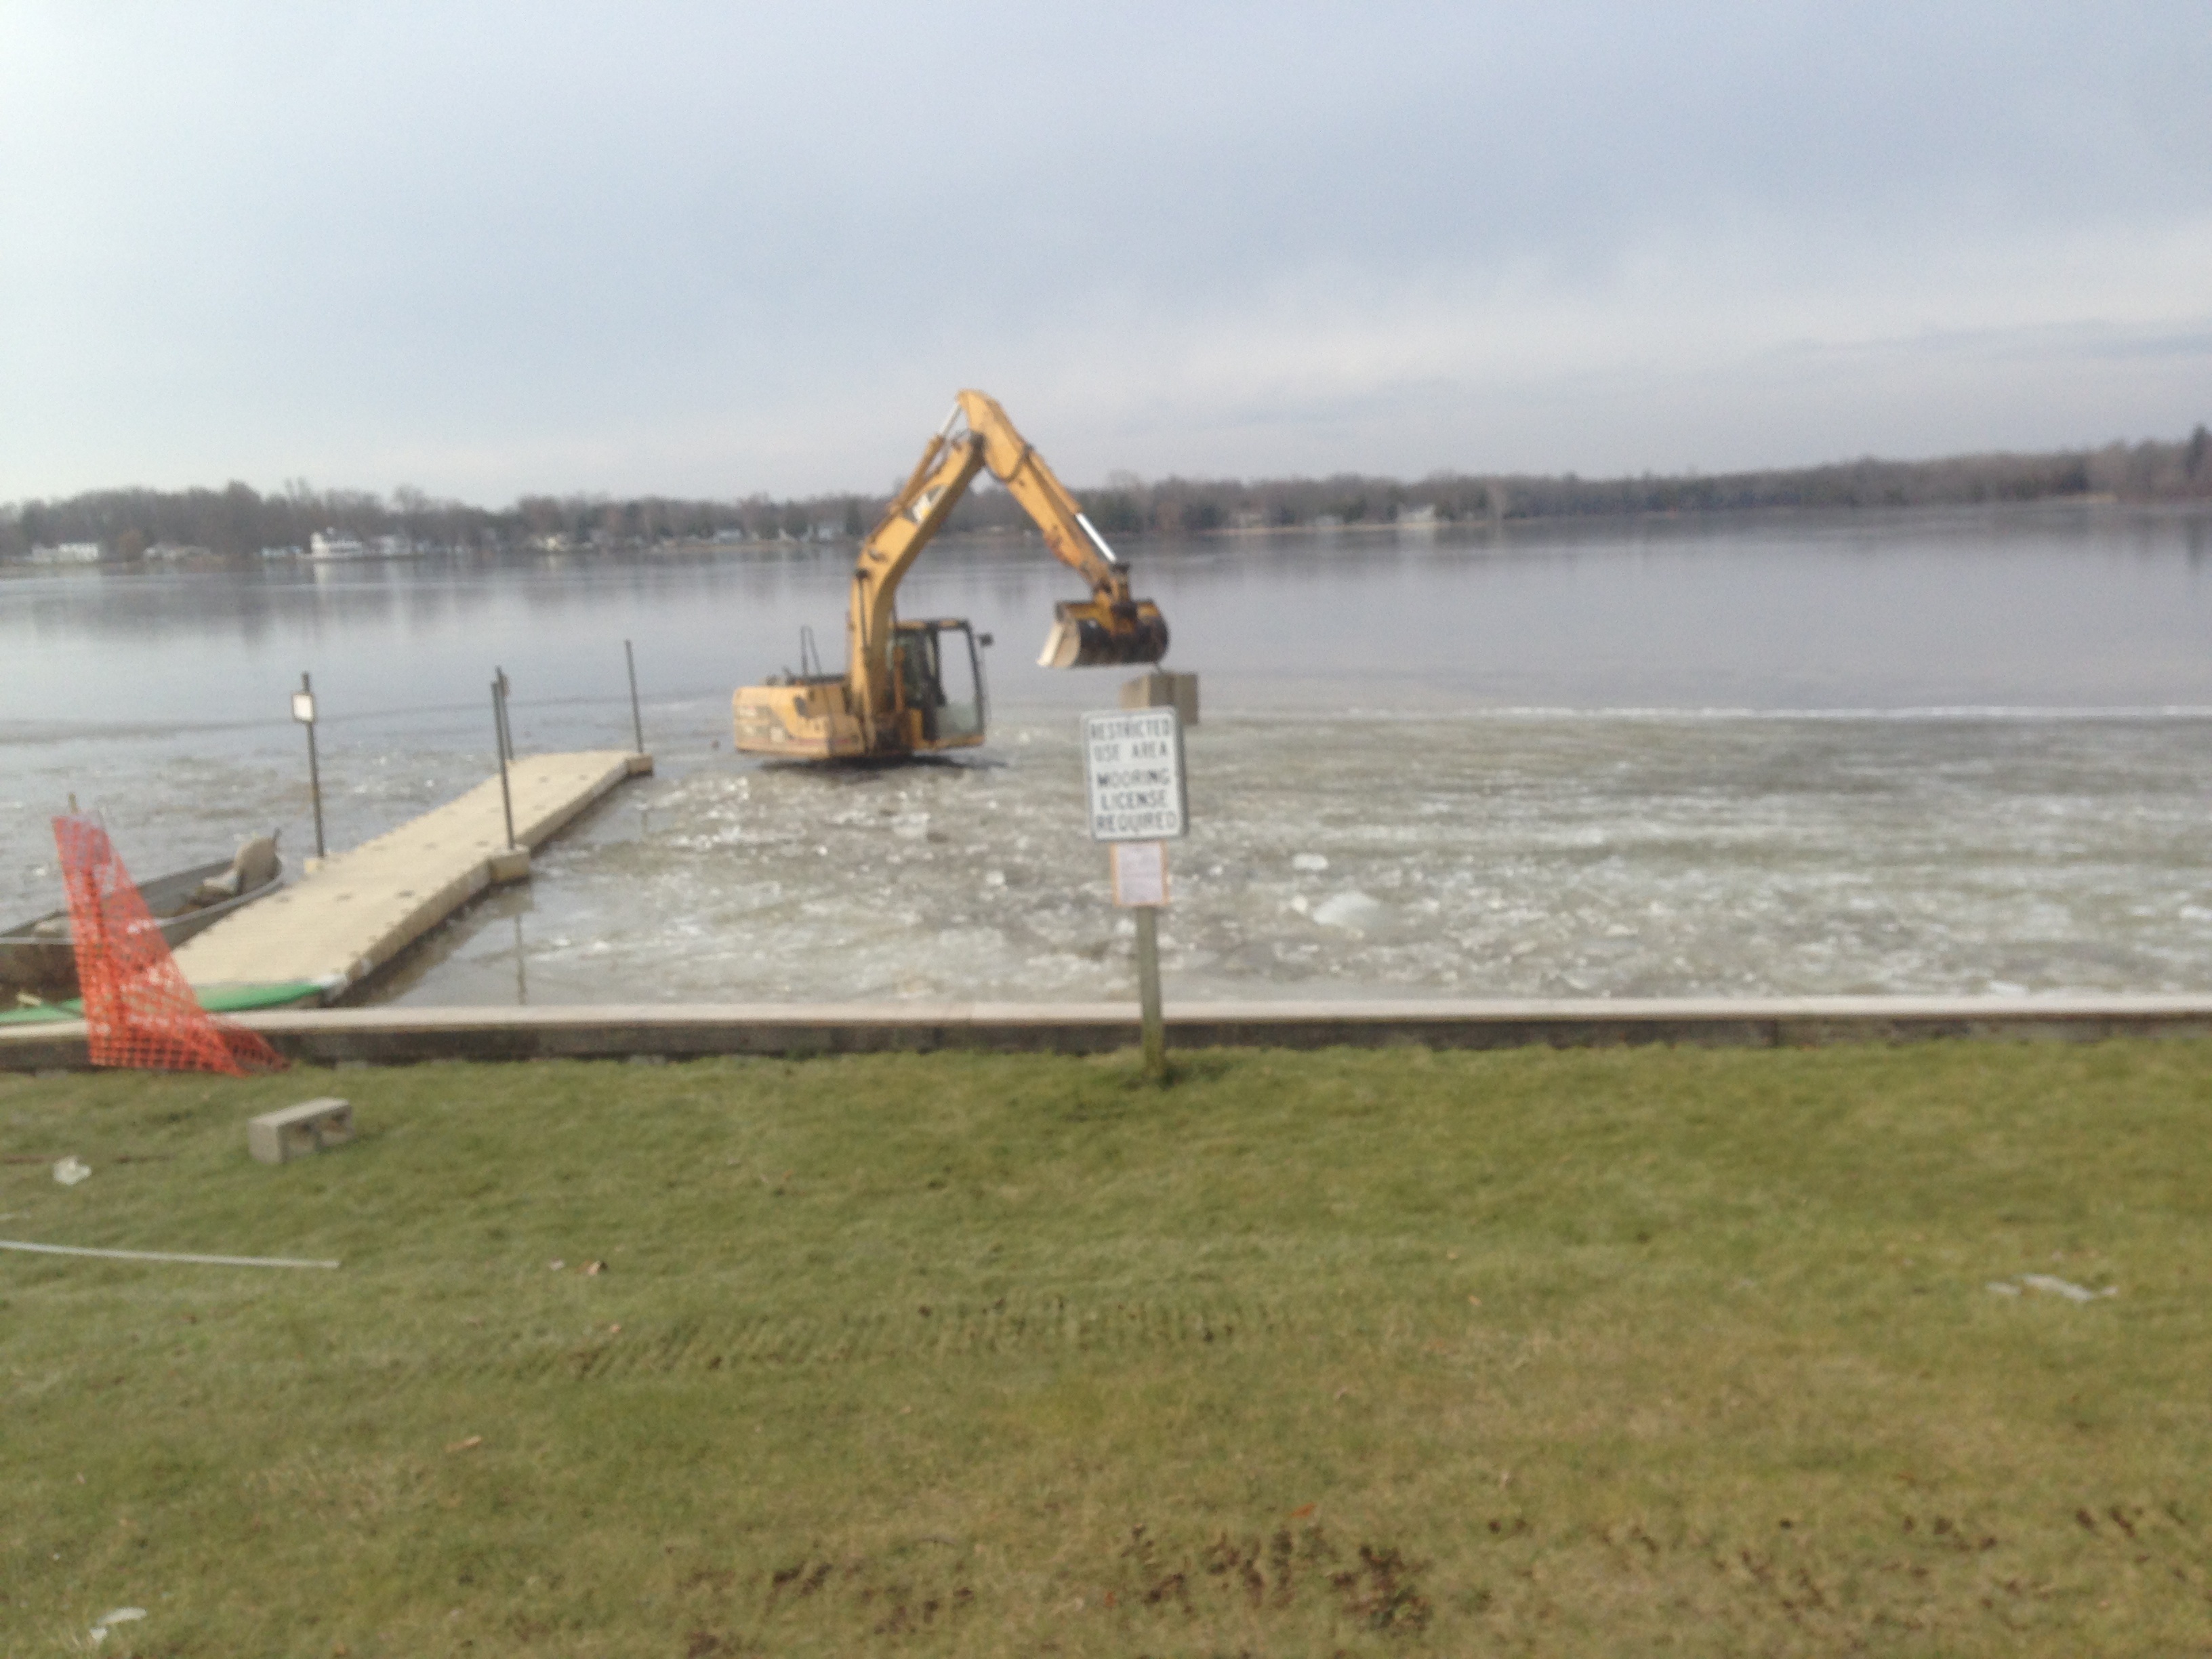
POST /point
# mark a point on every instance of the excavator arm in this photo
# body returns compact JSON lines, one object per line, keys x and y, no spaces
{"x":1108,"y":628}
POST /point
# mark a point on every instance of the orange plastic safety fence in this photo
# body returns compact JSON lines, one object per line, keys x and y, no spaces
{"x":139,"y":1008}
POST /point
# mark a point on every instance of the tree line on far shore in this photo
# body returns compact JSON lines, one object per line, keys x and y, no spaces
{"x":128,"y":526}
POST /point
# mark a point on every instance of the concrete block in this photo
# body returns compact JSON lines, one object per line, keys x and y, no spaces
{"x":638,"y":766}
{"x":513,"y":865}
{"x":1162,"y":689}
{"x":281,"y":1136}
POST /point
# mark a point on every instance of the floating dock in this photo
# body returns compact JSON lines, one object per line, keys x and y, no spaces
{"x":356,"y":910}
{"x":403,"y":1034}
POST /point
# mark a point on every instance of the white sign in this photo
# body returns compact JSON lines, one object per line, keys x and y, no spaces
{"x":1132,"y":762}
{"x":1140,"y":874}
{"x":303,"y":708}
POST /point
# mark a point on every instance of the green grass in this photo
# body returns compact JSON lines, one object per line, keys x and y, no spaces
{"x":1398,"y":1352}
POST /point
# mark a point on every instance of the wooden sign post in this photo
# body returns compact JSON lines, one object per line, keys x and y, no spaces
{"x":1132,"y":766}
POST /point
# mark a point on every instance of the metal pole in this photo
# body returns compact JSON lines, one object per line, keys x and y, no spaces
{"x":506,"y":725}
{"x":636,"y":724}
{"x":499,"y":735}
{"x":1148,"y":992}
{"x":315,"y":774}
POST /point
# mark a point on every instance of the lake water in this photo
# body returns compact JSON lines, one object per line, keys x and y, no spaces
{"x":1961,"y":751}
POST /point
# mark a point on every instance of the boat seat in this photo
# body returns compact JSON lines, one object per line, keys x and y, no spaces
{"x":254,"y":866}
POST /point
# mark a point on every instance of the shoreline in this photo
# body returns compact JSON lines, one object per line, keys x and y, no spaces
{"x":395,"y":1035}
{"x":1473,"y":528}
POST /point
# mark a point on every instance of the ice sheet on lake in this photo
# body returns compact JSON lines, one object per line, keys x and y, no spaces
{"x":1467,"y":858}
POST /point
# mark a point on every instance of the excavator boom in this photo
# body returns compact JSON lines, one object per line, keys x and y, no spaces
{"x":1110,"y":627}
{"x":881,"y":706}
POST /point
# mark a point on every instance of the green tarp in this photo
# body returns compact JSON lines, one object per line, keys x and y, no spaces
{"x":230,"y":1000}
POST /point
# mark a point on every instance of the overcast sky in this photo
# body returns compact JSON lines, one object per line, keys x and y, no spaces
{"x":708,"y":249}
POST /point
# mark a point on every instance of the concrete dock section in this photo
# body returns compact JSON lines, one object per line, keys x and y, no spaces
{"x":358,"y":909}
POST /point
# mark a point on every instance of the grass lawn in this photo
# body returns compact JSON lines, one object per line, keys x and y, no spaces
{"x":1613,"y":1351}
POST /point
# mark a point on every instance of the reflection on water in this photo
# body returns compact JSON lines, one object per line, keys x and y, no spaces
{"x":1935,"y":752}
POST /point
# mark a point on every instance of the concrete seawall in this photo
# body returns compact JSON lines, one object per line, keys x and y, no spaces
{"x":400,"y":1035}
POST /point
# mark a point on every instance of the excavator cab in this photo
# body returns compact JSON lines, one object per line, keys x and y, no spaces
{"x":937,"y":668}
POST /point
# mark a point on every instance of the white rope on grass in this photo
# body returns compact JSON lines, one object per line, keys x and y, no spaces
{"x":162,"y":1255}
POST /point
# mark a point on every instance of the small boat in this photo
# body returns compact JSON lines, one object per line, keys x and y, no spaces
{"x":38,"y":958}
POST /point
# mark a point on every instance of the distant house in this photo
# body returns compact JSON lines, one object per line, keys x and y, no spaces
{"x":67,"y":553}
{"x":171,"y":552}
{"x":329,"y":544}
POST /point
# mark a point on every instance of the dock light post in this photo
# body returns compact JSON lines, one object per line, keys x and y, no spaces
{"x":500,"y":738}
{"x":303,"y":710}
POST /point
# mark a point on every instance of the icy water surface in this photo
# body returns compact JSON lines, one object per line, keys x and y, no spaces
{"x":1941,"y":753}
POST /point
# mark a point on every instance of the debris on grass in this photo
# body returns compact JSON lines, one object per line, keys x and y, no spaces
{"x":2066,"y":1288}
{"x":469,"y":1445}
{"x":2050,"y":1287}
{"x":71,"y":1170}
{"x":117,"y":1616}
{"x":161,"y":1256}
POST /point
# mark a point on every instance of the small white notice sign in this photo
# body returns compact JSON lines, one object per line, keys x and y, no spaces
{"x":1133,"y":762}
{"x":1140,"y":874}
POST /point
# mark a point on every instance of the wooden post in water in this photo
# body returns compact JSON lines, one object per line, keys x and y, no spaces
{"x":499,"y":737}
{"x":636,"y":724}
{"x":506,"y":727}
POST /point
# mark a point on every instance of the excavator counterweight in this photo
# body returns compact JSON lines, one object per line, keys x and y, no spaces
{"x":900,"y":694}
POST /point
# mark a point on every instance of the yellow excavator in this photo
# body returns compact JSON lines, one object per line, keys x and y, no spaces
{"x":893,"y":699}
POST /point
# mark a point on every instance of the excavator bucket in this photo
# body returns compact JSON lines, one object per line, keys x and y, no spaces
{"x":1091,"y":635}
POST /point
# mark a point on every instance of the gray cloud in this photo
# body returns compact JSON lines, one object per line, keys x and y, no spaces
{"x":708,"y":250}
